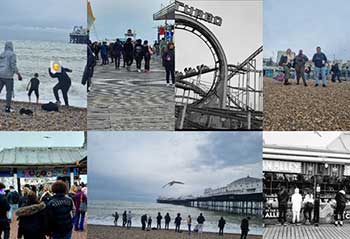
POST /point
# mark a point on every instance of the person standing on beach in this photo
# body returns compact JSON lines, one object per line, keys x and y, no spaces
{"x":245,"y":227}
{"x":283,"y":198}
{"x":286,"y":62}
{"x":159,"y":221}
{"x":64,"y":83}
{"x":341,"y":200}
{"x":221,"y":226}
{"x":124,"y":217}
{"x":297,"y":200}
{"x":189,"y":224}
{"x":144,"y":221}
{"x":320,"y":61}
{"x":8,"y":67}
{"x":335,"y":72}
{"x":129,"y":219}
{"x":300,"y":61}
{"x":200,"y":220}
{"x":168,"y":59}
{"x":178,"y":220}
{"x":33,"y":85}
{"x":116,"y":217}
{"x":167,"y":220}
{"x":149,"y":223}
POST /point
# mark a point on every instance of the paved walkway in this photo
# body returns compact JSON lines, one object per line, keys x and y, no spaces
{"x":307,"y":232}
{"x":122,"y":100}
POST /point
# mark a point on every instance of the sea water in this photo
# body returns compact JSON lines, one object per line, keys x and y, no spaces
{"x":35,"y":57}
{"x":100,"y":213}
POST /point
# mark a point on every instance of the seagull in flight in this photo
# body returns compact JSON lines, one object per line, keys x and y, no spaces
{"x":172,"y":183}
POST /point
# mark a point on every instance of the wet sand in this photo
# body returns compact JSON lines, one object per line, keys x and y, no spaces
{"x":296,"y":107}
{"x":111,"y":232}
{"x":68,"y":119}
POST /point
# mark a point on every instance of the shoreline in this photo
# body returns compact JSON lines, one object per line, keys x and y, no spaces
{"x":70,"y":118}
{"x":118,"y":232}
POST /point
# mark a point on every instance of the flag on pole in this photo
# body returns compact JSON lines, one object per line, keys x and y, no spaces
{"x":90,"y":16}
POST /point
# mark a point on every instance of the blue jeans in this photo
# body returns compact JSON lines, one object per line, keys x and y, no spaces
{"x":12,"y":206}
{"x":79,"y":216}
{"x":67,"y":236}
{"x":322,"y":71}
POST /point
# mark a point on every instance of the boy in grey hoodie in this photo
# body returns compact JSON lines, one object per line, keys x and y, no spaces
{"x":8,"y":67}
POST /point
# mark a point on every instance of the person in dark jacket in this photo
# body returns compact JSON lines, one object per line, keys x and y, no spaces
{"x":335,"y":72}
{"x":221,"y":226}
{"x":159,"y":221}
{"x":125,"y":219}
{"x":147,"y":55}
{"x":283,"y":198}
{"x":4,"y":208}
{"x":128,"y":53}
{"x":13,"y":198}
{"x":167,"y":220}
{"x":59,"y":212}
{"x":144,"y":221}
{"x":341,"y":199}
{"x":33,"y":218}
{"x":104,"y":53}
{"x":117,"y":52}
{"x":64,"y":83}
{"x":299,"y":65}
{"x":200,"y":220}
{"x":89,"y":67}
{"x":80,"y":202}
{"x":245,"y":227}
{"x":177,"y":221}
{"x":320,"y":61}
{"x":149,"y":223}
{"x":116,"y":217}
{"x":168,"y":58}
{"x":138,"y":54}
{"x":33,"y":86}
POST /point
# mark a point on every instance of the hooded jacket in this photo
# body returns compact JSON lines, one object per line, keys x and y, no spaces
{"x":341,"y":198}
{"x":33,"y":219}
{"x":296,"y":201}
{"x":8,"y":65}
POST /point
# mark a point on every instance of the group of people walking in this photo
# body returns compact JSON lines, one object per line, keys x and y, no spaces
{"x":138,"y":50}
{"x":289,"y":60}
{"x":8,"y":68}
{"x":309,"y":205}
{"x":45,"y":211}
{"x":146,"y":223}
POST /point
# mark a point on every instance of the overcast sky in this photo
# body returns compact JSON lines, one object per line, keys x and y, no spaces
{"x":135,"y":165}
{"x":300,"y":24}
{"x":114,"y":18}
{"x":319,"y":139}
{"x":41,"y":139}
{"x":240,"y":33}
{"x":40,"y":19}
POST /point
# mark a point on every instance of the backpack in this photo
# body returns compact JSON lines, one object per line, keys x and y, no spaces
{"x":83,"y":205}
{"x":50,"y":107}
{"x":13,"y":197}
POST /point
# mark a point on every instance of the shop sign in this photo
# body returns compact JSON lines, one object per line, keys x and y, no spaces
{"x":39,"y":173}
{"x":198,"y":13}
{"x":281,"y":166}
{"x":271,"y":213}
{"x":347,"y":170}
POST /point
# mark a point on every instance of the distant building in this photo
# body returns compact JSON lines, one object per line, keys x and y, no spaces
{"x":241,"y":186}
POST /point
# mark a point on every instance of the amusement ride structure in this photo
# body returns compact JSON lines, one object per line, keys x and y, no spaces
{"x":233,"y":98}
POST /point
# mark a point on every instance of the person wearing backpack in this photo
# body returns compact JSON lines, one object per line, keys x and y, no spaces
{"x":168,"y":58}
{"x":13,"y":199}
{"x":138,"y":54}
{"x":8,"y":67}
{"x":148,"y":53}
{"x":80,"y":203}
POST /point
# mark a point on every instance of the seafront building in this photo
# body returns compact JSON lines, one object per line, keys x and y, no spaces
{"x":322,"y":171}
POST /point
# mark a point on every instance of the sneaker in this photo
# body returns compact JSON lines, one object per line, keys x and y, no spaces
{"x":336,"y":223}
{"x":138,"y":70}
{"x":341,"y":223}
{"x":316,"y":85}
{"x":58,"y":102}
{"x":9,"y":110}
{"x":167,"y":84}
{"x":324,"y":85}
{"x":305,"y":84}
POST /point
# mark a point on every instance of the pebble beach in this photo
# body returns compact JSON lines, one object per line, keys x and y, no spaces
{"x":111,"y":232}
{"x":68,"y":118}
{"x":296,"y":107}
